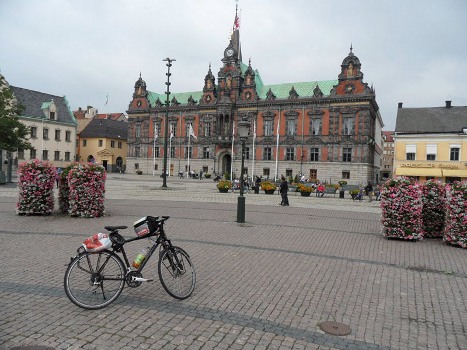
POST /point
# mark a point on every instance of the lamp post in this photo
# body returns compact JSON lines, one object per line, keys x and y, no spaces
{"x":166,"y":124}
{"x":243,"y":132}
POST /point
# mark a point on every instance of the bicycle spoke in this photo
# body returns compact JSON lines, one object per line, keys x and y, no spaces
{"x":86,"y":275}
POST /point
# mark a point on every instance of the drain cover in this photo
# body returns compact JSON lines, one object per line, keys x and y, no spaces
{"x":32,"y":347}
{"x":334,"y":328}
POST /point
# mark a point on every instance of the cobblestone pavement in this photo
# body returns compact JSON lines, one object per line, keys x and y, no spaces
{"x":265,"y":284}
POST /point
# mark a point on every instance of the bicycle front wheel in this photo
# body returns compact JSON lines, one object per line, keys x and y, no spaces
{"x":177,"y":273}
{"x":94,"y":280}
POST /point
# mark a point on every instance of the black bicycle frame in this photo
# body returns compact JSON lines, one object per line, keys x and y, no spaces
{"x":162,"y":239}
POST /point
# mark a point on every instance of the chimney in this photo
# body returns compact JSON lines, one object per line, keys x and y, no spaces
{"x":399,"y":105}
{"x":448,"y":104}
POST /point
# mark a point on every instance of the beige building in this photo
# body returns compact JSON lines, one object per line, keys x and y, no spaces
{"x":51,"y":124}
{"x":431,"y":143}
{"x":104,"y":141}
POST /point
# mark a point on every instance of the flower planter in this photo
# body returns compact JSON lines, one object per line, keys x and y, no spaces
{"x":401,"y":209}
{"x":269,"y":191}
{"x":36,"y":183}
{"x":87,"y":190}
{"x":455,"y":231}
{"x":223,"y":190}
{"x":305,"y":194}
{"x":434,"y":208}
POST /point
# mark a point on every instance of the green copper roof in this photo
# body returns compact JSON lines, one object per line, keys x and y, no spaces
{"x":181,"y":97}
{"x":281,"y":91}
{"x":302,"y":88}
{"x":46,"y":105}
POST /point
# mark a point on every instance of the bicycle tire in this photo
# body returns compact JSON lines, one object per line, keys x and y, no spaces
{"x":177,"y":282}
{"x":89,"y":288}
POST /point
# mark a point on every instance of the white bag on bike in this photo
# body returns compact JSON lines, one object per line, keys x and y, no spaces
{"x":97,"y":242}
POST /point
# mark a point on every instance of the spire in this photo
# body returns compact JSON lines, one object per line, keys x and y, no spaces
{"x":235,"y":37}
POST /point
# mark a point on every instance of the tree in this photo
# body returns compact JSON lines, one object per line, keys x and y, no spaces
{"x":13,"y":133}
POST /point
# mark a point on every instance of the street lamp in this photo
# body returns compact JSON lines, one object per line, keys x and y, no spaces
{"x":166,"y":124}
{"x":243,"y":132}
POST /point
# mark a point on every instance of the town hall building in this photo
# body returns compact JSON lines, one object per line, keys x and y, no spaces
{"x":326,"y":130}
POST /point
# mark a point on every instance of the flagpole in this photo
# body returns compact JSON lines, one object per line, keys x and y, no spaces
{"x":277,"y":142}
{"x":253,"y":162}
{"x":188,"y":151}
{"x":231,"y":160}
{"x":154,"y":152}
{"x":170,"y":153}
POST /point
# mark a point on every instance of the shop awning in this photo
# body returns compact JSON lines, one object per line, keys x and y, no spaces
{"x":454,"y":173}
{"x":419,"y":172}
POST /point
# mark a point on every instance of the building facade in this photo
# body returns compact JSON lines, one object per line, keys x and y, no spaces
{"x":431,"y":143}
{"x":51,"y":124}
{"x":327,"y":130}
{"x":104,"y":141}
{"x":388,"y":154}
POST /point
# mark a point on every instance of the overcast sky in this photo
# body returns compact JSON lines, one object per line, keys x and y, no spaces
{"x":413,"y":51}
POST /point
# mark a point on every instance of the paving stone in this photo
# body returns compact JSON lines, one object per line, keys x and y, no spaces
{"x":266,"y":283}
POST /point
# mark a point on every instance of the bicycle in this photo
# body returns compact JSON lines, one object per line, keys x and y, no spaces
{"x":95,"y":278}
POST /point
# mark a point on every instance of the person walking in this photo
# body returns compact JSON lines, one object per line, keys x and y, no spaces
{"x":283,"y":188}
{"x":369,"y":191}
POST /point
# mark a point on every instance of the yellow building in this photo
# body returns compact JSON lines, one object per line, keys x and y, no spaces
{"x":431,"y":143}
{"x":104,"y":141}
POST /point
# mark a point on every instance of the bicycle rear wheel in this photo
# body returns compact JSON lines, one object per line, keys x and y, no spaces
{"x":94,"y":280}
{"x":177,"y":273}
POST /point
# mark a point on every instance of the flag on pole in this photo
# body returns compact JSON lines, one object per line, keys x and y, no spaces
{"x":156,"y":132}
{"x":171,"y":131}
{"x":277,"y":144}
{"x":106,"y":99}
{"x":192,"y":132}
{"x":236,"y":25}
{"x":254,"y":129}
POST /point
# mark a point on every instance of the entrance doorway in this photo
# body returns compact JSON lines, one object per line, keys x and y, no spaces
{"x":226,"y":164}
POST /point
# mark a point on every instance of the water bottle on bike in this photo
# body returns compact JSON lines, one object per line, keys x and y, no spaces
{"x":139,"y":258}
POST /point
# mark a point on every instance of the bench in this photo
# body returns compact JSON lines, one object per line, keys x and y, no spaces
{"x":330,"y":190}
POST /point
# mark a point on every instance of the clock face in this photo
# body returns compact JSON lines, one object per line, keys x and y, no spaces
{"x":229,"y":52}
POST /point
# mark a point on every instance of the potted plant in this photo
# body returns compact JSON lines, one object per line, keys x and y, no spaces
{"x":224,"y":186}
{"x":305,"y":191}
{"x":268,"y":187}
{"x":139,"y":172}
{"x":207,"y":176}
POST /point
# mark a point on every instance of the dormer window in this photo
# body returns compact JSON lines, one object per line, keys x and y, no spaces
{"x":50,"y":110}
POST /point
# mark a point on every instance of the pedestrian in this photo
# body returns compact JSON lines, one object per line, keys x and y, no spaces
{"x":369,"y":191}
{"x":57,"y":176}
{"x":257,"y":184}
{"x":320,"y":190}
{"x":283,"y":188}
{"x":201,"y":174}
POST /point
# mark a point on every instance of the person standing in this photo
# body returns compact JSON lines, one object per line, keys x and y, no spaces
{"x":369,"y":191}
{"x":57,"y":176}
{"x":257,"y":184}
{"x":283,"y":188}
